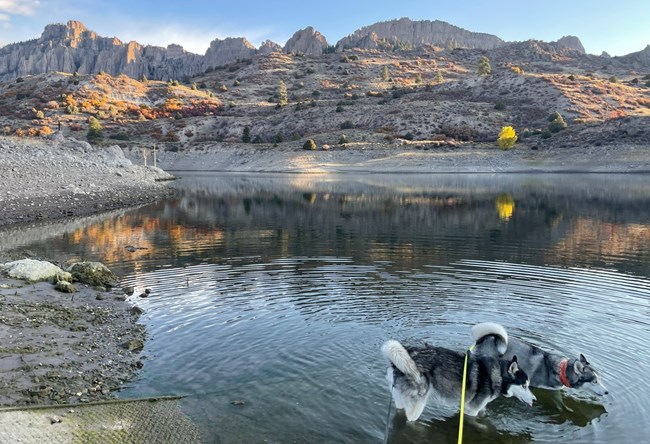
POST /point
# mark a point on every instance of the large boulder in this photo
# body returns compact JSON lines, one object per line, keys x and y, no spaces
{"x":94,"y":274}
{"x":32,"y":270}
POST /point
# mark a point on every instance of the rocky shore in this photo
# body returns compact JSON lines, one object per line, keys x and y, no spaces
{"x":77,"y":341}
{"x":62,"y":347}
{"x":63,"y":177}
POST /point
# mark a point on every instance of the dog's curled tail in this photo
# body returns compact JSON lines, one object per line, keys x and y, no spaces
{"x":400,"y":358}
{"x":479,"y":331}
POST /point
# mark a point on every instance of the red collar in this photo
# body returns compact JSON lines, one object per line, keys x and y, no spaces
{"x":563,"y":378}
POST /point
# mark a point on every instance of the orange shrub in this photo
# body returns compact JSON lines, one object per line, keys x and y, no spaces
{"x":45,"y":131}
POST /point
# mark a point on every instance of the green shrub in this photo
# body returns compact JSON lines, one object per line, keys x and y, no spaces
{"x":556,"y":123}
{"x":343,"y":139}
{"x":347,"y":125}
{"x":613,"y":79}
{"x":236,"y":82}
{"x":120,"y":136}
{"x":572,"y":78}
{"x":499,"y":106}
{"x":223,"y":88}
{"x":339,"y":109}
{"x":246,"y":134}
{"x":546,"y":134}
{"x":95,"y":130}
{"x":309,"y":145}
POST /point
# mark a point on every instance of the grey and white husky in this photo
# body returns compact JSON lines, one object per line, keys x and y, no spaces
{"x":417,"y":373}
{"x":546,"y":369}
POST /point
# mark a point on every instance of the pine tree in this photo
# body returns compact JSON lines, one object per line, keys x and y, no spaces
{"x":384,"y":74}
{"x":246,"y":136}
{"x":283,"y":97}
{"x":484,"y":68}
{"x":94,"y":130}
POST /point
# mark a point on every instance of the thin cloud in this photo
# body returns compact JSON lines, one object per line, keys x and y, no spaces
{"x":195,"y":40}
{"x":18,"y":7}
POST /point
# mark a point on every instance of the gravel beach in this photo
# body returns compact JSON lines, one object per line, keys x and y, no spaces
{"x":58,"y":178}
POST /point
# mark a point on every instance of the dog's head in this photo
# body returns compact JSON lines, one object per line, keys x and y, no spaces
{"x":585,"y":376}
{"x":516,"y":383}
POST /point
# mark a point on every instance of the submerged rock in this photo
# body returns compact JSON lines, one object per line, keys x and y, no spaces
{"x":32,"y":270}
{"x":94,"y":274}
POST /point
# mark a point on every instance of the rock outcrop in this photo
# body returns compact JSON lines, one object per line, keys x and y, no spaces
{"x":534,"y":50}
{"x":72,"y":47}
{"x":267,"y":47}
{"x":222,"y":52}
{"x":306,"y":42}
{"x":640,"y":59}
{"x":417,"y":33}
{"x":571,"y":42}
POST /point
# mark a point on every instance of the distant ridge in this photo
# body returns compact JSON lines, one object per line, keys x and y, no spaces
{"x":72,"y":47}
{"x":418,"y":33}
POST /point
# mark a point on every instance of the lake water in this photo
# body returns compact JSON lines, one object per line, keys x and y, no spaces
{"x":271,"y":295}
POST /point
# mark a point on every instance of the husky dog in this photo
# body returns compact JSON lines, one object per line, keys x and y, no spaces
{"x":546,"y":369}
{"x":415,"y":373}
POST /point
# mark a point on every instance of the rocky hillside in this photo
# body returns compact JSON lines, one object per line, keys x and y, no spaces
{"x":428,"y":97}
{"x":72,"y":48}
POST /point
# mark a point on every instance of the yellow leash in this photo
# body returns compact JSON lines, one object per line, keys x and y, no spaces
{"x":462,"y":397}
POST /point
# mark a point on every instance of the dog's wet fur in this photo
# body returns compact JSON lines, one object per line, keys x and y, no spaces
{"x":422,"y":372}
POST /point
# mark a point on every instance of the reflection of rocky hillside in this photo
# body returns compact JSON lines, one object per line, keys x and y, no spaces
{"x":407,"y":221}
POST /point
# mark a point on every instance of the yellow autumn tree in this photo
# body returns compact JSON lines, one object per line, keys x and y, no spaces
{"x":507,"y":138}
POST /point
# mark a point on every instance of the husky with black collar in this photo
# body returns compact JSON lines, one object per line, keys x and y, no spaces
{"x":418,"y":373}
{"x":546,"y":369}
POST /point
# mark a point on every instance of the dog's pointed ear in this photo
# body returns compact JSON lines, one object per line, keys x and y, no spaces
{"x":583,"y":359}
{"x":578,"y":367}
{"x":512,"y":368}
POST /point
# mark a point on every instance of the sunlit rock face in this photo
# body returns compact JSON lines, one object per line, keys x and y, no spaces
{"x":418,"y":33}
{"x":306,"y":41}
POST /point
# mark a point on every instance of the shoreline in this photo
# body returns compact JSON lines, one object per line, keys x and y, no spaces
{"x":404,"y":158}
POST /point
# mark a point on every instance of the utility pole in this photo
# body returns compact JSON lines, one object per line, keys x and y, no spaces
{"x":144,"y":154}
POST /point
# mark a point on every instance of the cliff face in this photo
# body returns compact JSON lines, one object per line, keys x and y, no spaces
{"x":417,"y":33}
{"x":222,"y":52}
{"x":74,"y":48}
{"x":306,"y":41}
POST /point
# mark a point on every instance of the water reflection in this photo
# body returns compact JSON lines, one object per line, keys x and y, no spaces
{"x":576,"y":220}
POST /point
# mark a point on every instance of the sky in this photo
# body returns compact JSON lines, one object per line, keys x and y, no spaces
{"x":617,"y":27}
